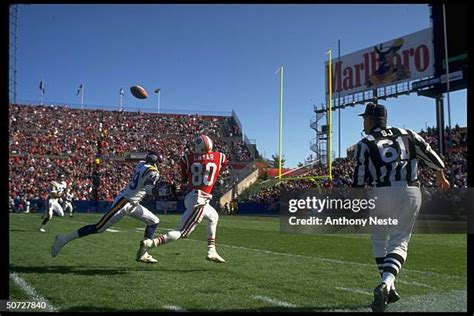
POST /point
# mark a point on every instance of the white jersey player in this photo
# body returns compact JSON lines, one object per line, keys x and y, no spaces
{"x":55,"y":191}
{"x":67,"y":198}
{"x":143,"y":182}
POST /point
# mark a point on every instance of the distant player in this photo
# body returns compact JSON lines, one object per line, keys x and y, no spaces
{"x":200,"y":171}
{"x":386,"y":159}
{"x":143,"y":182}
{"x":67,"y":198}
{"x":55,"y":191}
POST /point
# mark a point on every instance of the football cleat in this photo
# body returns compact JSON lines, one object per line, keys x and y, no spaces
{"x":42,"y":230}
{"x":392,"y":296}
{"x":146,"y":258}
{"x":145,"y":244}
{"x":380,"y":298}
{"x":59,"y":242}
{"x":214,"y":256}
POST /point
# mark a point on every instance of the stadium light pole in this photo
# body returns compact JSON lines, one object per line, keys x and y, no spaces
{"x":447,"y":71}
{"x":280,"y":70}
{"x":158,"y":91}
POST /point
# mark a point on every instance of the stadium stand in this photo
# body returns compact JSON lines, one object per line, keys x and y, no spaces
{"x":455,"y":160}
{"x":47,"y":140}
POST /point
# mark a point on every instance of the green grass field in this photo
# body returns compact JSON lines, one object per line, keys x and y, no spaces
{"x":265,"y":270}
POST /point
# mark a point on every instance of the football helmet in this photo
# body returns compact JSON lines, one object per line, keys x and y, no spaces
{"x":153,"y":158}
{"x":202,"y":144}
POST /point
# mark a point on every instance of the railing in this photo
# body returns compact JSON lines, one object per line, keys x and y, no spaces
{"x":249,"y":146}
{"x":239,"y":175}
{"x":237,"y":121}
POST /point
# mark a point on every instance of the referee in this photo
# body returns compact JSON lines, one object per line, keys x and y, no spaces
{"x":386,"y":161}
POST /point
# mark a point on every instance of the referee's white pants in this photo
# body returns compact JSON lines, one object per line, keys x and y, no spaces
{"x":121,"y":207}
{"x":401,"y":203}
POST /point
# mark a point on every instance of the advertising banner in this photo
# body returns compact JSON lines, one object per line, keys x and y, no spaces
{"x":402,"y":59}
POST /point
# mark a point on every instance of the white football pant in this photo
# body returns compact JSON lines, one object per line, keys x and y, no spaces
{"x":398,"y":203}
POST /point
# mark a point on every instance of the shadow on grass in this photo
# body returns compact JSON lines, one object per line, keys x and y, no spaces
{"x":88,"y":270}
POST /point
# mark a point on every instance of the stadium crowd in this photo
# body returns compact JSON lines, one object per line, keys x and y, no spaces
{"x":48,"y":140}
{"x":60,"y":131}
{"x":455,"y":160}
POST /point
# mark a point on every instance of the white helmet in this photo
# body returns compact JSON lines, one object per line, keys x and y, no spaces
{"x":202,"y":144}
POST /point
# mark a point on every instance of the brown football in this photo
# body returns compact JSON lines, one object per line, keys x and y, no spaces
{"x":138,"y":92}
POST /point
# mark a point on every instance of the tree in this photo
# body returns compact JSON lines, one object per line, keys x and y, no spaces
{"x":276,"y":162}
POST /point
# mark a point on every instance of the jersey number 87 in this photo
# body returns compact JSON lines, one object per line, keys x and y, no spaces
{"x":203,"y":177}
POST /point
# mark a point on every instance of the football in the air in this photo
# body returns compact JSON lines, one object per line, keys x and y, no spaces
{"x":138,"y":92}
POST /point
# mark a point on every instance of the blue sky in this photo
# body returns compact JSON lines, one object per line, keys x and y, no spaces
{"x":216,"y":58}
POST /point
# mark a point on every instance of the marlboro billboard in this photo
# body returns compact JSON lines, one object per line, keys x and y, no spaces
{"x":402,"y":59}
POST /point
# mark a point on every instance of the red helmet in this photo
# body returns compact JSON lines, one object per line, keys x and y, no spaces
{"x":202,"y":144}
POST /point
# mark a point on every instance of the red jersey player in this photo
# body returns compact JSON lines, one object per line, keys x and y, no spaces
{"x":200,"y":171}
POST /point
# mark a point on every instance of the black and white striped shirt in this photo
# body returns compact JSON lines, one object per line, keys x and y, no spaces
{"x":390,"y":154}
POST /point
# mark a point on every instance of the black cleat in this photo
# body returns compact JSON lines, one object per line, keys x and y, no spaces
{"x":392,"y":296}
{"x":380,"y":298}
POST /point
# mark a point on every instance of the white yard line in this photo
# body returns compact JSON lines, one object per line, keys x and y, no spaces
{"x":112,"y":230}
{"x":353,"y":290}
{"x":345,"y":262}
{"x":174,"y":308}
{"x":30,"y":291}
{"x":414,"y":283}
{"x":274,"y":301}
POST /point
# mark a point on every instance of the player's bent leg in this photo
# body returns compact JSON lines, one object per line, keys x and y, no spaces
{"x":188,"y":225}
{"x":145,"y":215}
{"x":142,"y":213}
{"x":146,"y":244}
{"x":47,"y":217}
{"x":117,"y":211}
{"x":213,"y":217}
{"x":191,"y":217}
{"x":58,"y":209}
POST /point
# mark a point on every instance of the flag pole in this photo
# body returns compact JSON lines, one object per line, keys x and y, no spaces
{"x":82,"y":96}
{"x":159,"y":100}
{"x":158,"y":91}
{"x":41,"y":91}
{"x":121,"y":99}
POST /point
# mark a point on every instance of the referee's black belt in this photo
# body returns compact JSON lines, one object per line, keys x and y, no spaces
{"x":399,"y":184}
